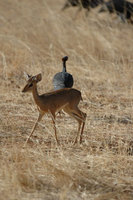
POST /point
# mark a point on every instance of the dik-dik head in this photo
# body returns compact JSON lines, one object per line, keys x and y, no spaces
{"x":30,"y":82}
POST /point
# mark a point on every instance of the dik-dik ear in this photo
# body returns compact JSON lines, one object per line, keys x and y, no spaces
{"x":38,"y":77}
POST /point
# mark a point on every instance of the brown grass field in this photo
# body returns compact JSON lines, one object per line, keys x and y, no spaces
{"x":34,"y":36}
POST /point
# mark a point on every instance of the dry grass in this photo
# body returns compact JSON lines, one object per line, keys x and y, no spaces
{"x":34,"y":35}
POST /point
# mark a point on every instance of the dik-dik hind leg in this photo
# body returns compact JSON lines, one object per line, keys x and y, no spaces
{"x":79,"y":127}
{"x":80,"y":122}
{"x":35,"y":125}
{"x":83,"y":124}
{"x":80,"y":117}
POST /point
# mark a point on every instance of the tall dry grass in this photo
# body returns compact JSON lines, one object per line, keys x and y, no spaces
{"x":34,"y":35}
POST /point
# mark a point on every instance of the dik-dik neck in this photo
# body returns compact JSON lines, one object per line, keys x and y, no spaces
{"x":35,"y":94}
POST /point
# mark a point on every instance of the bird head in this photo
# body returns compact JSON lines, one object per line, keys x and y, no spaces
{"x":65,"y":58}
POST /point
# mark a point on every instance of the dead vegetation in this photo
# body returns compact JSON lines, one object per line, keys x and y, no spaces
{"x":34,"y":36}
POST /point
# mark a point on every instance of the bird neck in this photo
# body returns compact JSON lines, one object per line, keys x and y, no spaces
{"x":64,"y":66}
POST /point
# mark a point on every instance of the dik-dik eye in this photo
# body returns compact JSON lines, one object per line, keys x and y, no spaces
{"x":31,"y":85}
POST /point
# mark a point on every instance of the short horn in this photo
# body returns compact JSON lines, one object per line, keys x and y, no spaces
{"x":27,"y":76}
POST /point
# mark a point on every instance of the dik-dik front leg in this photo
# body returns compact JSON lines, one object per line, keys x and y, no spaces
{"x":53,"y":120}
{"x":35,"y":125}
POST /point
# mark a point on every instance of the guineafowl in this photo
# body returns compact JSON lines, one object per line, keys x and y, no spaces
{"x":63,"y":79}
